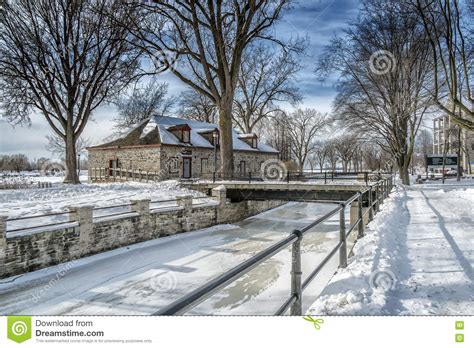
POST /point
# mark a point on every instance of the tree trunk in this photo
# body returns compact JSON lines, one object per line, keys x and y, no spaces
{"x":404,"y":175}
{"x":226,"y":146}
{"x":404,"y":169}
{"x":71,"y":162}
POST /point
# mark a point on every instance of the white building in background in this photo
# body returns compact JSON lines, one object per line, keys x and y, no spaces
{"x":447,"y":132}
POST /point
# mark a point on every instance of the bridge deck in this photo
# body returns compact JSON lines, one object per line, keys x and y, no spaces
{"x":293,"y":191}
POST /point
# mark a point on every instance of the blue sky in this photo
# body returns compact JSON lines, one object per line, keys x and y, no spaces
{"x":320,"y":20}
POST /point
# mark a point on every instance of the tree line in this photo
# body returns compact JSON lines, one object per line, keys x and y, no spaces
{"x":398,"y":62}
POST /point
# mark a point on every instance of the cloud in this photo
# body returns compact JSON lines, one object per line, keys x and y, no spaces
{"x":319,"y":20}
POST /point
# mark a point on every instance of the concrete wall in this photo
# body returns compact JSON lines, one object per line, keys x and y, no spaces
{"x":87,"y":236}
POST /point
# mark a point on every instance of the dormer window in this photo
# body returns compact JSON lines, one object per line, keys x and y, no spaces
{"x":249,"y":139}
{"x":215,"y":137}
{"x":182,"y":132}
{"x":210,"y":134}
{"x":254,"y":143}
{"x":186,"y":137}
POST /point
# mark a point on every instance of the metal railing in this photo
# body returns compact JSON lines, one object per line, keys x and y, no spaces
{"x":288,"y":177}
{"x":376,"y":194}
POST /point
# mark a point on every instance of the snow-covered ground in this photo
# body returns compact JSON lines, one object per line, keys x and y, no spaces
{"x":142,"y":278}
{"x":38,"y":201}
{"x":416,"y":259}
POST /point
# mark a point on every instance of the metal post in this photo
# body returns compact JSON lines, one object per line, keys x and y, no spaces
{"x":325,"y":177}
{"x":250,"y":177}
{"x":361,"y":221}
{"x":296,"y":285}
{"x":377,"y":198}
{"x":381,"y":192}
{"x":288,"y":177}
{"x":371,"y":207}
{"x":366,"y":178}
{"x":342,"y":238}
{"x":215,"y":155}
{"x":214,"y":177}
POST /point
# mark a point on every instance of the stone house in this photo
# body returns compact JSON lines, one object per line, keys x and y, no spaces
{"x":178,"y":148}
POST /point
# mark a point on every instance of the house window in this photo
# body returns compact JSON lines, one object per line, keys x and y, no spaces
{"x":186,"y":138}
{"x":173,"y":165}
{"x":215,"y":140}
{"x":254,"y":143}
{"x":204,"y":165}
{"x":242,"y":167}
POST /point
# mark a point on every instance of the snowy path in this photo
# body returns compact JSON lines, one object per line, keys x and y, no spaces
{"x":144,"y":277}
{"x":417,"y":258}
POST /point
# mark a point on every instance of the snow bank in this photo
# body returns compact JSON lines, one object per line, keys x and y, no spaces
{"x":60,"y":196}
{"x":416,"y":259}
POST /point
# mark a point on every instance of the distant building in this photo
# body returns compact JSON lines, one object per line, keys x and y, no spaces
{"x":447,"y":132}
{"x":178,"y":148}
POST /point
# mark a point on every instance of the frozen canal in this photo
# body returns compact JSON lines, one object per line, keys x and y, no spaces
{"x":143,"y":278}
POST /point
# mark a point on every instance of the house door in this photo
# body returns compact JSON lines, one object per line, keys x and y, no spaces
{"x":113,"y":165}
{"x":186,"y":168}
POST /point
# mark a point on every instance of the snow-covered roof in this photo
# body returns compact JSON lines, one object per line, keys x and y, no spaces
{"x":247,"y":135}
{"x":164,"y":125}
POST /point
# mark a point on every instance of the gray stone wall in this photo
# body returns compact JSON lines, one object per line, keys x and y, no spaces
{"x":135,"y":158}
{"x":168,"y":160}
{"x":34,"y":251}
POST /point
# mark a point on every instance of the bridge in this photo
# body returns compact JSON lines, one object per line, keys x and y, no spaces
{"x":296,"y":191}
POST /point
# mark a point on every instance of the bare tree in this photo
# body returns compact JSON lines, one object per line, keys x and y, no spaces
{"x":267,"y":78}
{"x":211,"y":38}
{"x":423,"y":148}
{"x":346,"y":147}
{"x":143,"y":100}
{"x":383,"y":60}
{"x":450,"y":33}
{"x":63,"y":59}
{"x":197,"y":106}
{"x":320,"y":153}
{"x":303,"y":128}
{"x":57,"y":147}
{"x":332,"y":154}
{"x":373,"y":156}
{"x":17,"y":163}
{"x":274,"y":131}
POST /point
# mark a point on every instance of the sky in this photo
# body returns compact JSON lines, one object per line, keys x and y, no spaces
{"x":319,"y":20}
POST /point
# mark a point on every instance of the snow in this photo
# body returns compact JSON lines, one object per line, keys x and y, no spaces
{"x":142,"y":278}
{"x":416,"y":259}
{"x":197,"y":140}
{"x":59,"y":197}
{"x":150,"y":127}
